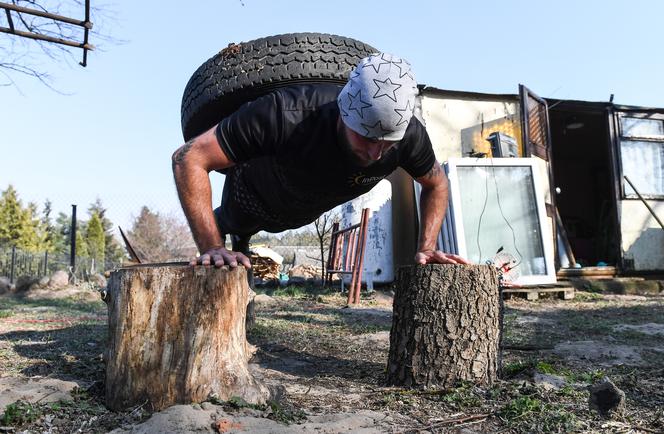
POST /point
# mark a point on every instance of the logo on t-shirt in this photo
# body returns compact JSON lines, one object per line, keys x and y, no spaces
{"x":360,"y":179}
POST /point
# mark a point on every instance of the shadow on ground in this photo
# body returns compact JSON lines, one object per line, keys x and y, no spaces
{"x":70,"y":353}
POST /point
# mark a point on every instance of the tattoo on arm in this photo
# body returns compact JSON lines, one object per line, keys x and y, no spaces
{"x":433,"y":172}
{"x":178,"y":158}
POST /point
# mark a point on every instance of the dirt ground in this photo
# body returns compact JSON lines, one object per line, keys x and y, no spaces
{"x":329,"y":362}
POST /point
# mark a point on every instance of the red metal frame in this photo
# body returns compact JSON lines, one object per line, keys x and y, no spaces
{"x":346,"y":254}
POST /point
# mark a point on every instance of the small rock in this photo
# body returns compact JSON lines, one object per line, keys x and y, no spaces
{"x":43,"y":282}
{"x":26,"y":283}
{"x":5,"y":285}
{"x":264,"y":300}
{"x":549,"y":382}
{"x":59,"y":279}
{"x":208,"y":406}
{"x":607,"y":399}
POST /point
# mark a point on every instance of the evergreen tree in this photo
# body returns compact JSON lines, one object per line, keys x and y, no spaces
{"x":16,"y":222}
{"x":36,"y":236}
{"x":113,"y":251}
{"x":10,"y":217}
{"x":62,"y":234}
{"x":81,"y":245}
{"x":47,"y":226}
{"x":95,"y":240}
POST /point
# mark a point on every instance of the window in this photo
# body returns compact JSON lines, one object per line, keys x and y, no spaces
{"x":497,"y":206}
{"x":642,"y":154}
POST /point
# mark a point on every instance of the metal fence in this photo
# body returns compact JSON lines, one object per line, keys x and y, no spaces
{"x":15,"y":263}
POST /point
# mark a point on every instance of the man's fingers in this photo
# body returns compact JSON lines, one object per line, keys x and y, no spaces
{"x":221,"y":257}
{"x":460,"y":260}
{"x":438,"y":257}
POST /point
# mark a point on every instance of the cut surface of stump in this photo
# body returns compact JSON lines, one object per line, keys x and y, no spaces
{"x":177,"y":335}
{"x":445,"y":326}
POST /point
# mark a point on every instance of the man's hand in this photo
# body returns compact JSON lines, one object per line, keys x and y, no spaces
{"x":438,"y":257}
{"x":219,"y":256}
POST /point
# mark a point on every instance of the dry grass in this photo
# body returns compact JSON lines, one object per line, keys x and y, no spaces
{"x":330,"y":359}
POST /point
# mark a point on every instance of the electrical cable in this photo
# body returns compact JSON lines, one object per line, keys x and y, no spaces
{"x":479,"y":223}
{"x":505,"y":218}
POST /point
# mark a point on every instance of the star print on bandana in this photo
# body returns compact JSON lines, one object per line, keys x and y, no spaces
{"x":404,"y":68}
{"x":379,"y":97}
{"x":355,"y":103}
{"x":376,"y":67}
{"x":406,"y":110}
{"x":385,"y":88}
{"x":376,"y":130}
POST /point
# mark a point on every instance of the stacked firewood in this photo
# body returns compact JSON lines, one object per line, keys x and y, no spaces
{"x":265,"y":268}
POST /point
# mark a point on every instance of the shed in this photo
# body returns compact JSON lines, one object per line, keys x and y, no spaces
{"x":582,"y":151}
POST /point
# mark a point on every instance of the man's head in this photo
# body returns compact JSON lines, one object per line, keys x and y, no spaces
{"x":379,"y":98}
{"x":376,"y":104}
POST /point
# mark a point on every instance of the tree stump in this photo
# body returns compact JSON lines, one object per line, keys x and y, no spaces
{"x":445,"y":326}
{"x":177,"y":335}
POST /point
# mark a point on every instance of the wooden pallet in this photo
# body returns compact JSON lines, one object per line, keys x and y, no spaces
{"x":532,"y":293}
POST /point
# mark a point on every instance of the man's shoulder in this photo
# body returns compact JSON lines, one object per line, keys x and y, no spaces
{"x":307,"y":96}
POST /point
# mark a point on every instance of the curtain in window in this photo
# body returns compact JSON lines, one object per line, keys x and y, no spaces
{"x":643,"y":164}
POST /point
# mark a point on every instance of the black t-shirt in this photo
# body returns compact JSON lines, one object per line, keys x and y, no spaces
{"x":292,"y":161}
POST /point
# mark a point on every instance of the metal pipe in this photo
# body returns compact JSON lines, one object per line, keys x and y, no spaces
{"x":72,"y":250}
{"x":86,"y":24}
{"x":13,"y":265}
{"x":363,"y":241}
{"x":46,"y":38}
{"x":644,"y":201}
{"x":84,"y":63}
{"x":9,"y":19}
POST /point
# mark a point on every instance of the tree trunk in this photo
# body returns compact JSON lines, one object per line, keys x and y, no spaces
{"x":445,"y":327}
{"x":177,"y":335}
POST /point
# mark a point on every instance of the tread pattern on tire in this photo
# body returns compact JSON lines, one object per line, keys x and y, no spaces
{"x":245,"y":71}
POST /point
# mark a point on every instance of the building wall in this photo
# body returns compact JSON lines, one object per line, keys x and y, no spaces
{"x":642,"y":237}
{"x":457,"y":126}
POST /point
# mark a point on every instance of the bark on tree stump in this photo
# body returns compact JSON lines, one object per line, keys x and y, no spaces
{"x":445,"y":326}
{"x":177,"y":335}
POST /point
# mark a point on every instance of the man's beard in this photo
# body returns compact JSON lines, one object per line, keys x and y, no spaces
{"x":344,"y":144}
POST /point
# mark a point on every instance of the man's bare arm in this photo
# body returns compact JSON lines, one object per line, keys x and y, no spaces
{"x":192,"y":163}
{"x":433,"y":204}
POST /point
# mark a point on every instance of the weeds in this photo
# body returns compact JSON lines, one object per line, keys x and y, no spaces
{"x":528,"y":414}
{"x":462,"y":397}
{"x":19,"y":413}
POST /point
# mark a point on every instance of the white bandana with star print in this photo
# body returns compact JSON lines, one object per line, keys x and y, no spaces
{"x":379,"y":98}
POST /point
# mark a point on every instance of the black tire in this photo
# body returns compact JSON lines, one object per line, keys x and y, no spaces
{"x":243,"y":72}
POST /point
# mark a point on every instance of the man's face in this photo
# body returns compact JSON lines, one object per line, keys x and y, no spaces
{"x":364,"y":151}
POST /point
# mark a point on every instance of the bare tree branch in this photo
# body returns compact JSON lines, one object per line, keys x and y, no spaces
{"x":22,"y":57}
{"x":323,"y":226}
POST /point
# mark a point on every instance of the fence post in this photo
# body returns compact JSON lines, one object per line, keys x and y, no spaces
{"x":72,"y":250}
{"x":46,"y":263}
{"x":11,"y":273}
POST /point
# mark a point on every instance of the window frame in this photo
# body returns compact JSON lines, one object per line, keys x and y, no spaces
{"x":620,"y":115}
{"x":457,"y":213}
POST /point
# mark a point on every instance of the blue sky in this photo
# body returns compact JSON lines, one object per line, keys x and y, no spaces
{"x":113,"y":136}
